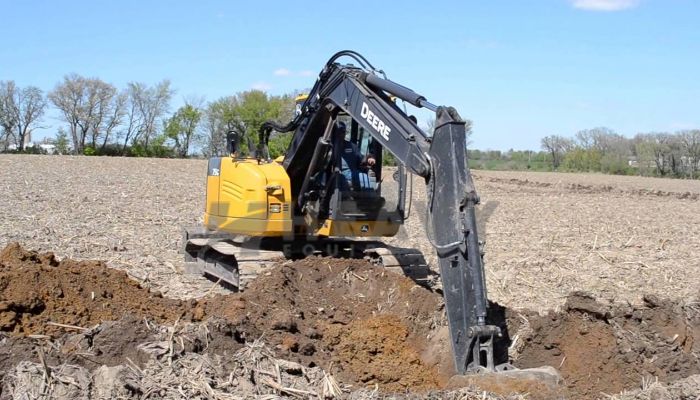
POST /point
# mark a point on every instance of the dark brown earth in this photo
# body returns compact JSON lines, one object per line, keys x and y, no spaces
{"x":37,"y":290}
{"x":366,"y":325}
{"x":363,"y":324}
{"x":600,"y":348}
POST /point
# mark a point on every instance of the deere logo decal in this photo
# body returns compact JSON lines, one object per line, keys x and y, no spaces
{"x":374,"y":120}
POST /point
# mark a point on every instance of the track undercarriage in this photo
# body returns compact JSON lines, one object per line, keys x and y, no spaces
{"x":236,"y":260}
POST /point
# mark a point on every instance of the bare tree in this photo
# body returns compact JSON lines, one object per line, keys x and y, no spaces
{"x":665,"y":149}
{"x":115,"y":117}
{"x":675,"y":155}
{"x":70,"y":98}
{"x":151,"y":104}
{"x":690,"y":142}
{"x":6,"y":139}
{"x":7,"y":120}
{"x":556,"y":146}
{"x":132,"y":124}
{"x":108,"y":112}
{"x":214,"y":143}
{"x":601,"y":139}
{"x":74,"y":100}
{"x":91,"y":107}
{"x":20,"y":111}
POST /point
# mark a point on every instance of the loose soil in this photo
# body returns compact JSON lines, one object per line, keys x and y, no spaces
{"x":604,"y":348}
{"x":338,"y":314}
{"x":364,"y":325}
{"x":38,"y":290}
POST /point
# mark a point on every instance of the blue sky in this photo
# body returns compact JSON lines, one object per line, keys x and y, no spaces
{"x":519,"y":69}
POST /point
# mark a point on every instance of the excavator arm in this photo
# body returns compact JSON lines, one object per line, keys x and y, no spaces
{"x":364,"y":95}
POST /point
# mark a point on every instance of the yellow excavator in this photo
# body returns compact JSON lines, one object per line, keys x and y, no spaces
{"x":330,"y":195}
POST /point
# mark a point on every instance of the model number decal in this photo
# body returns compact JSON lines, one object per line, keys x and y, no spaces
{"x":374,"y":120}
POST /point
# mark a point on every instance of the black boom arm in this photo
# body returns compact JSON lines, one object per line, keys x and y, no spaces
{"x":440,"y":160}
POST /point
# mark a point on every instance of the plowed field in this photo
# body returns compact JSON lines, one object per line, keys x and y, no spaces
{"x":597,"y":276}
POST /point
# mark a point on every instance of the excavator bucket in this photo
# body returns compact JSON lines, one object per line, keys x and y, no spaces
{"x":456,"y":242}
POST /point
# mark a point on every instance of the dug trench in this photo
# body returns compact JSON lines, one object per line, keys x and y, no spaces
{"x":366,"y":326}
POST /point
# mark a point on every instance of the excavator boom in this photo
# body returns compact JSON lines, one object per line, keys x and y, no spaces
{"x":440,"y":160}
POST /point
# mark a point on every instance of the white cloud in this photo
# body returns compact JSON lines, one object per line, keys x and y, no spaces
{"x":282,"y":72}
{"x":264,"y":86}
{"x":285,"y":72}
{"x":604,"y":5}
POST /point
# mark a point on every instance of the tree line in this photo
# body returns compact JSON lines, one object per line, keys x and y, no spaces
{"x":649,"y":154}
{"x":603,"y":150}
{"x":100,"y":119}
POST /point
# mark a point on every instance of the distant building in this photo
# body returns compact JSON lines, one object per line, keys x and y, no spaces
{"x":28,"y":140}
{"x":48,"y":148}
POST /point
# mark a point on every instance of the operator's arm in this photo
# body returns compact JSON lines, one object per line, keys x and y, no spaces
{"x":369,"y":160}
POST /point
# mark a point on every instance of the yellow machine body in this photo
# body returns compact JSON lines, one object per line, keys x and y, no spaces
{"x":248,"y":198}
{"x":255,"y":199}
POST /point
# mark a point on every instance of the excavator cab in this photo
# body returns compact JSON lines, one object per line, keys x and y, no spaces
{"x":351,"y":195}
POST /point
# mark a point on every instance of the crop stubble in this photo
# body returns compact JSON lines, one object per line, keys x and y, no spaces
{"x":547,"y":234}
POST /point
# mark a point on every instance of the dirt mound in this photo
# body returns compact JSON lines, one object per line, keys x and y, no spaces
{"x":367,"y":325}
{"x":37,"y":292}
{"x":364,"y":325}
{"x":605,"y":348}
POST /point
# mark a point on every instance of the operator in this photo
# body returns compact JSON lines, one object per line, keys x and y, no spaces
{"x":353,"y":166}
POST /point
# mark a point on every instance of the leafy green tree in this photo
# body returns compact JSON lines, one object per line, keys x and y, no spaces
{"x":279,"y":144}
{"x":615,"y":163}
{"x":244,"y":114}
{"x":182,"y":128}
{"x":254,"y":108}
{"x":388,"y":159}
{"x":580,"y":159}
{"x":61,"y":142}
{"x":89,"y":150}
{"x":158,"y":147}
